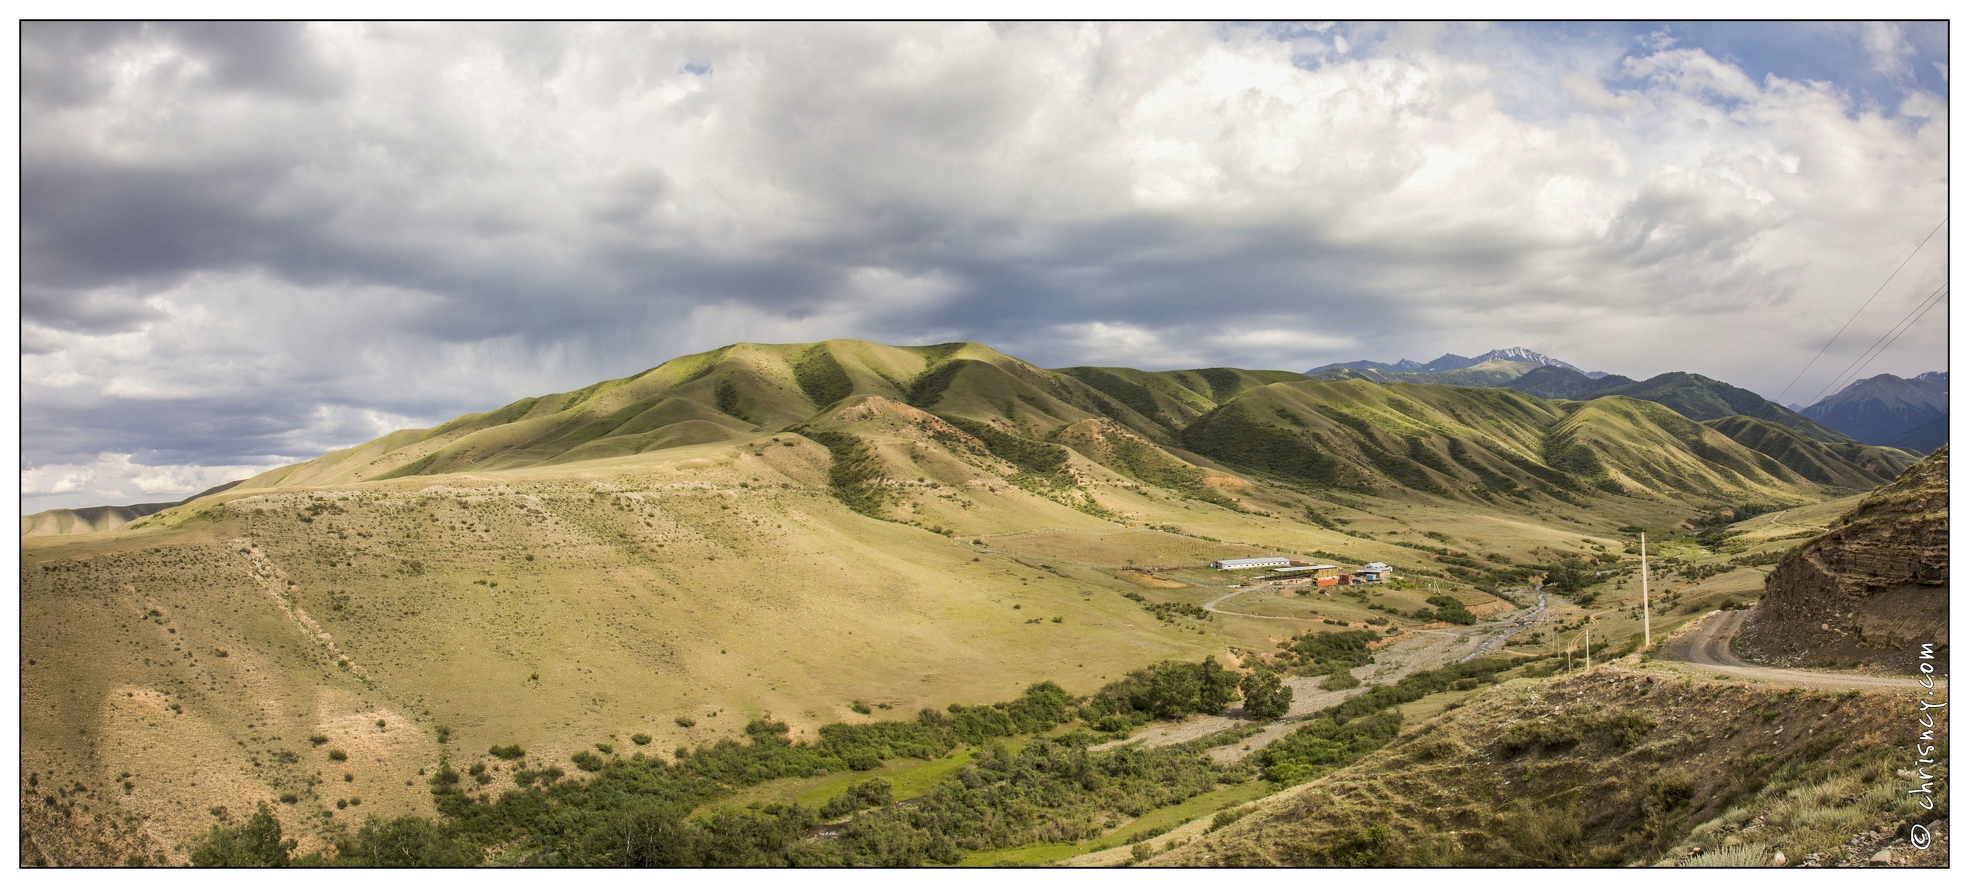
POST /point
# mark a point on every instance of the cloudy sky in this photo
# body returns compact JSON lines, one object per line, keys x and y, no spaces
{"x":242,"y":245}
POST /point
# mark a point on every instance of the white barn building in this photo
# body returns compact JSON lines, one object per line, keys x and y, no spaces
{"x":1249,"y":563}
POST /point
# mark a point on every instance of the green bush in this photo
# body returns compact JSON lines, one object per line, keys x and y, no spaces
{"x":1327,"y":744}
{"x":1671,"y":788}
{"x":1339,"y":680}
{"x":644,"y":739}
{"x":508,"y":753}
{"x":337,"y":755}
{"x":1553,"y":732}
{"x":1226,"y":818}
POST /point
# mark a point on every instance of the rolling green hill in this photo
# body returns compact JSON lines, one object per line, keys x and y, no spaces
{"x":1455,"y":441}
{"x":1692,"y":395}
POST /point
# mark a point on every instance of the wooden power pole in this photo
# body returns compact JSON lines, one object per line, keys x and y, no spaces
{"x":1647,"y":635}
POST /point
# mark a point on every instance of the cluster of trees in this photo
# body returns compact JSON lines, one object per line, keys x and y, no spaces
{"x":1449,"y":610}
{"x":635,"y":811}
{"x":1323,"y":653}
{"x":1165,"y":690}
{"x":1168,"y":612}
{"x":1340,"y":735}
{"x":1570,"y":577}
{"x":872,"y":793}
{"x":855,"y":474}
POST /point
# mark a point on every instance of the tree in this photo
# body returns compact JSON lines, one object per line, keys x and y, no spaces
{"x":256,"y":842}
{"x":1218,"y":686}
{"x":645,"y":836}
{"x":407,"y":841}
{"x":1568,"y":577}
{"x":1265,"y":696}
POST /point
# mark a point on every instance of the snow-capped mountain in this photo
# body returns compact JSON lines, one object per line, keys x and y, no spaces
{"x":1516,"y":355}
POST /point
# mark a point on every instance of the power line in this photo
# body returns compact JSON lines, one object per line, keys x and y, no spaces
{"x":1890,"y":343}
{"x":1863,"y":305}
{"x":1906,"y":323}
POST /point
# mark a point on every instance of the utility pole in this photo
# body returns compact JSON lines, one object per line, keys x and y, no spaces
{"x":1647,"y":635}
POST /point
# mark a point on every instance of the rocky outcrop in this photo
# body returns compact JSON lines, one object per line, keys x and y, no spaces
{"x":1871,"y":591}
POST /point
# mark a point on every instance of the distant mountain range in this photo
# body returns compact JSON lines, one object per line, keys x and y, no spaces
{"x":1911,"y":414}
{"x":1448,"y":363}
{"x":1692,"y":395}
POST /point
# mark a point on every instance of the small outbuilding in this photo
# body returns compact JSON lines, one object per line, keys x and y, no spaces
{"x":1373,"y":573}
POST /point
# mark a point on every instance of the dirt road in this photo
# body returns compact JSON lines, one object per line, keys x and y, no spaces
{"x":1707,"y":644}
{"x":1212,"y":607}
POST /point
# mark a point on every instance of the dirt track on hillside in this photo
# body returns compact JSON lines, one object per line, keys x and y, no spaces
{"x":1707,"y":644}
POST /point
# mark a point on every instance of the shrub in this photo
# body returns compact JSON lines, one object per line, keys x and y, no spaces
{"x":1340,"y":680}
{"x":644,"y":739}
{"x":508,"y":753}
{"x":444,"y":734}
{"x":337,"y":755}
{"x":861,"y":707}
{"x":1543,"y":733}
{"x":1671,"y":788}
{"x":685,"y":721}
{"x":317,"y":739}
{"x":587,"y":761}
{"x":1626,"y":729}
{"x":606,"y":748}
{"x":1226,"y":818}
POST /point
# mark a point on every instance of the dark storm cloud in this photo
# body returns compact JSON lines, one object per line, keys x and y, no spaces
{"x":62,"y":63}
{"x":243,"y":244}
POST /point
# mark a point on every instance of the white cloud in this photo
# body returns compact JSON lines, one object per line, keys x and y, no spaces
{"x":1891,"y":52}
{"x":403,"y":222}
{"x":116,"y":479}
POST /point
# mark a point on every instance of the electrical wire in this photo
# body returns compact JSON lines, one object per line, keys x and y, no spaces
{"x":1897,"y":336}
{"x":1906,"y":323}
{"x":1856,"y":314}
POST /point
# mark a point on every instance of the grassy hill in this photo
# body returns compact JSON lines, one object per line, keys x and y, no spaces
{"x":1692,"y":395}
{"x":822,"y":532}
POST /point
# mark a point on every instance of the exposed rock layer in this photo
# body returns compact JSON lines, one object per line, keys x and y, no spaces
{"x":1871,"y":591}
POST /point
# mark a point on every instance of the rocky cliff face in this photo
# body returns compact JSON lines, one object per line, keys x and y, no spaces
{"x":1869,"y":592}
